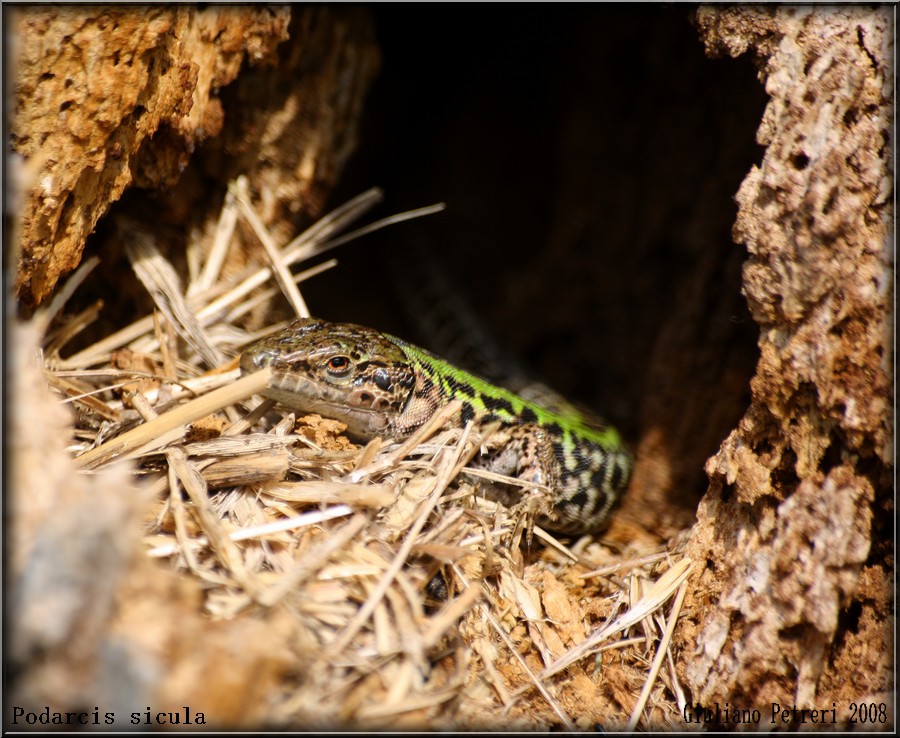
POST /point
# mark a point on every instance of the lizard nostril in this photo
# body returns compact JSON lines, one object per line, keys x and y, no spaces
{"x":252,"y":361}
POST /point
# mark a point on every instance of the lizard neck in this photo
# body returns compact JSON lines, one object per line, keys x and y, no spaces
{"x":438,"y":382}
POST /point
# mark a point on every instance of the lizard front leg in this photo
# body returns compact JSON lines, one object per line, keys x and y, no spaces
{"x":524,"y":452}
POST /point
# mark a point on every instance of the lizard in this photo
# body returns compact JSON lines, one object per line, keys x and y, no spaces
{"x":380,"y":385}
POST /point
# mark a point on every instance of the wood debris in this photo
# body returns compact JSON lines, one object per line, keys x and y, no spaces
{"x":398,"y":596}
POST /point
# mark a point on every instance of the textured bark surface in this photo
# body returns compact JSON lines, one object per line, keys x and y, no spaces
{"x":93,"y":86}
{"x":640,"y":314}
{"x":794,"y":601}
{"x":169,"y":103}
{"x":113,"y":98}
{"x":95,"y":623}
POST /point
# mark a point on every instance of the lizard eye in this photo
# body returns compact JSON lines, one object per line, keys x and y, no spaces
{"x":339,"y":365}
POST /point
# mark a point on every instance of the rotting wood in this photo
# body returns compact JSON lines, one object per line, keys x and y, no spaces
{"x":793,"y":605}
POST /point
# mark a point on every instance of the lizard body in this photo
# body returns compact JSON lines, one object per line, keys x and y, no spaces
{"x":380,"y":385}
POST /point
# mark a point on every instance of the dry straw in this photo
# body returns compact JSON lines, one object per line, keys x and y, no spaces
{"x":413,"y":601}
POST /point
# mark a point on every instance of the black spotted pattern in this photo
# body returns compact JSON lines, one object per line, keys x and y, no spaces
{"x":457,"y":386}
{"x":501,"y":403}
{"x":618,"y":476}
{"x":426,"y":389}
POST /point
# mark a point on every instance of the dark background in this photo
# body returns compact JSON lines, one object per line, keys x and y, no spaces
{"x":589,"y":156}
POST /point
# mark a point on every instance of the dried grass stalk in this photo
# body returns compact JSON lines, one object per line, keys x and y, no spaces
{"x":408,"y":599}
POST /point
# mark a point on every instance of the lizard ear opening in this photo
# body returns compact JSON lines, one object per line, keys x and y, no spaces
{"x":382,"y":380}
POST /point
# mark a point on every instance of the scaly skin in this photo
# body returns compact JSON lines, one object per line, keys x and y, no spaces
{"x":382,"y":386}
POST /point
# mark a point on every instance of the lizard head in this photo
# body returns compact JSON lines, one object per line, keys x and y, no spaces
{"x":342,"y":371}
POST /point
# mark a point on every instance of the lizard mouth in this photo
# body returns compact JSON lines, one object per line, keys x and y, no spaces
{"x":363,"y":423}
{"x":350,"y":407}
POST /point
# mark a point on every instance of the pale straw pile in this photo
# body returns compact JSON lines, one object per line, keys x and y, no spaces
{"x":410,"y":600}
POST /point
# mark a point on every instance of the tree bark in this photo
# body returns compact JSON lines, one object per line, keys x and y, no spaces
{"x":156,"y":99}
{"x":792,"y":604}
{"x":108,"y":98}
{"x":793,"y":600}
